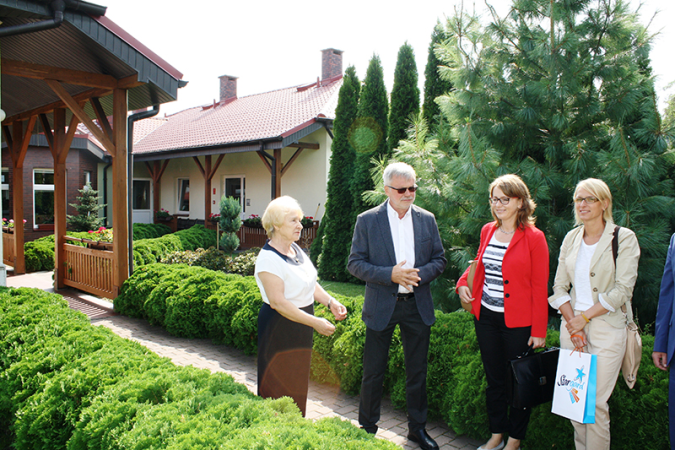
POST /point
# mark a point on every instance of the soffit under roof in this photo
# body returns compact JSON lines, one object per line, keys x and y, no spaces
{"x":83,"y":43}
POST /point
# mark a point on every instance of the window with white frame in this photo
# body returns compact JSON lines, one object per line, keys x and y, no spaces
{"x":43,"y":197}
{"x":87,"y":179}
{"x":183,"y":195}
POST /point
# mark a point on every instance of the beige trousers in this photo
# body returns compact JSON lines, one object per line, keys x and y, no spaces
{"x":609,"y":344}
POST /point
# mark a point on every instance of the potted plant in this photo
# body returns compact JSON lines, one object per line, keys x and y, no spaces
{"x":8,"y":226}
{"x":100,"y":239}
{"x":163,"y":215}
{"x":253,"y":221}
{"x":214,"y":217}
{"x":307,"y":222}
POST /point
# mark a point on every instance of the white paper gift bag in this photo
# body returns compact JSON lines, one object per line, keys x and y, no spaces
{"x":575,"y":386}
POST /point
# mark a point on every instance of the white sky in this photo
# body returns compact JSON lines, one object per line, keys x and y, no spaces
{"x":277,"y":44}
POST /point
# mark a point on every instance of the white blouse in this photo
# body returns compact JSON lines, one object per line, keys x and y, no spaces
{"x":298,"y":274}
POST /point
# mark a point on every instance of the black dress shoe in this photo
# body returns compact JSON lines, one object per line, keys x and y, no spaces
{"x":423,"y":439}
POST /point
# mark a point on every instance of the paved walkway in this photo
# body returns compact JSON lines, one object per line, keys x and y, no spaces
{"x":324,"y":400}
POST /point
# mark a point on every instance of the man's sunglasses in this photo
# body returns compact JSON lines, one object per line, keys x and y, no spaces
{"x":402,"y":190}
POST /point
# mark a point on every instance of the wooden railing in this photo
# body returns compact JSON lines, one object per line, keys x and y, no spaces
{"x":89,"y":270}
{"x":256,"y":237}
{"x":8,"y":250}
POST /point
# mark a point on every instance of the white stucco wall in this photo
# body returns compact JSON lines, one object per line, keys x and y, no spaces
{"x":305,"y":179}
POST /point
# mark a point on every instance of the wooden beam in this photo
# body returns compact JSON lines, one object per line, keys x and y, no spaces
{"x":277,"y":171}
{"x":290,"y":161}
{"x":207,"y":189}
{"x":264,"y":160}
{"x":84,"y":118}
{"x":18,"y":154}
{"x":41,"y":72}
{"x":60,"y":196}
{"x":119,"y":191}
{"x":8,"y":136}
{"x":70,"y":135}
{"x":47,"y":129}
{"x":156,"y":172}
{"x":101,"y":117}
{"x":199,"y":165}
{"x":60,"y":104}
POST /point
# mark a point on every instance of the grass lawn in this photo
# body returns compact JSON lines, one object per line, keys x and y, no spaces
{"x":346,"y":289}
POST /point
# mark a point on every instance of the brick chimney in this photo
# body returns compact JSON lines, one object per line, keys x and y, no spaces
{"x":331,"y":63}
{"x":228,"y":88}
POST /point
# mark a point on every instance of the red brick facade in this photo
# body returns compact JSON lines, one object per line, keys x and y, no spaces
{"x":77,"y":163}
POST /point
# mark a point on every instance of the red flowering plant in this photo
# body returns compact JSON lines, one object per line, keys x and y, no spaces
{"x":162,"y":214}
{"x":103,"y":234}
{"x":214,"y":217}
{"x":253,"y":221}
{"x":10,"y":223}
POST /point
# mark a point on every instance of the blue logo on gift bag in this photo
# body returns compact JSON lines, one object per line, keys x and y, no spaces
{"x":573,"y":386}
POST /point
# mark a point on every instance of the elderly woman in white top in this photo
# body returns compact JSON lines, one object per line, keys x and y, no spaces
{"x":594,"y":308}
{"x":287,"y":282}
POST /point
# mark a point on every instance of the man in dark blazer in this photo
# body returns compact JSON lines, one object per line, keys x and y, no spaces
{"x":397,"y":251}
{"x":664,"y":333}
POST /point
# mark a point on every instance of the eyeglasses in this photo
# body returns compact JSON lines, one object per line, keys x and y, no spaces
{"x":504,"y":200}
{"x":588,"y":200}
{"x":402,"y":190}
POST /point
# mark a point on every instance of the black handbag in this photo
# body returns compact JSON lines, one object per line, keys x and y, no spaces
{"x":530,"y":378}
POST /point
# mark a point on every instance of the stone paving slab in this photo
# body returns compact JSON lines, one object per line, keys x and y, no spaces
{"x":323,"y":400}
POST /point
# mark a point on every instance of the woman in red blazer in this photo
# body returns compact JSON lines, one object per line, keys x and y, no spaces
{"x":509,"y":300}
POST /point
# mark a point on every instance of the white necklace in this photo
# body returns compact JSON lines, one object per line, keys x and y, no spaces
{"x":510,"y":232}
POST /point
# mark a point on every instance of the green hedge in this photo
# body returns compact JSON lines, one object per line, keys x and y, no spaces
{"x":149,"y":251}
{"x":65,"y":384}
{"x":39,"y":253}
{"x":226,"y":308}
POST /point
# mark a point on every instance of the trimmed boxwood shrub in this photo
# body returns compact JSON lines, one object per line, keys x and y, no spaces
{"x":456,"y":380}
{"x":67,"y":384}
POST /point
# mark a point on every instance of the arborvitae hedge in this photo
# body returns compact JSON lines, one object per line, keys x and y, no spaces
{"x":225,"y":308}
{"x":65,"y":384}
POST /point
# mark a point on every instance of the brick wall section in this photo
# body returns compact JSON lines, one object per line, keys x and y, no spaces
{"x":228,"y":87}
{"x":77,"y":162}
{"x":331,"y":63}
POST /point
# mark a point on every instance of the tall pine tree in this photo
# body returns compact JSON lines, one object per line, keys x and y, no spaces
{"x":405,"y":96}
{"x":368,"y":133}
{"x":338,"y":220}
{"x":555,"y":92}
{"x":434,"y":85}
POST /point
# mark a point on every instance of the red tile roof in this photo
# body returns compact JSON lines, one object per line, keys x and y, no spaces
{"x":252,"y":118}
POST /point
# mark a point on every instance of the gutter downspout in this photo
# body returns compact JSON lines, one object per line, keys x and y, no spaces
{"x":130,"y":176}
{"x":57,"y":6}
{"x":105,"y":193}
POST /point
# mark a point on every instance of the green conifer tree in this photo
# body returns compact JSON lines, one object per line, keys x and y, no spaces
{"x":555,"y":92}
{"x":87,"y":207}
{"x":338,"y":223}
{"x":405,"y":96}
{"x":368,"y":133}
{"x":434,"y":84}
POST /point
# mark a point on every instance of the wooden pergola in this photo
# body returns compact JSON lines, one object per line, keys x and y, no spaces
{"x":86,"y":69}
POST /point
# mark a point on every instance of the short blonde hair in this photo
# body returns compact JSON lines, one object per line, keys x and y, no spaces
{"x":599,"y":190}
{"x":514,"y":187}
{"x":276,"y":213}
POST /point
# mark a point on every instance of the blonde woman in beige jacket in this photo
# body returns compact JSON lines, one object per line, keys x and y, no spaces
{"x":589,"y":291}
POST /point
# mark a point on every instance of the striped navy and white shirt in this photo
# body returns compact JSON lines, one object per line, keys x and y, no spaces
{"x":493,"y":287}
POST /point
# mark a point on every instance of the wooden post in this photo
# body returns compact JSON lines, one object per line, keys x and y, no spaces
{"x":60,"y":196}
{"x":119,"y":191}
{"x":207,"y":190}
{"x":21,"y":140}
{"x":277,"y":170}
